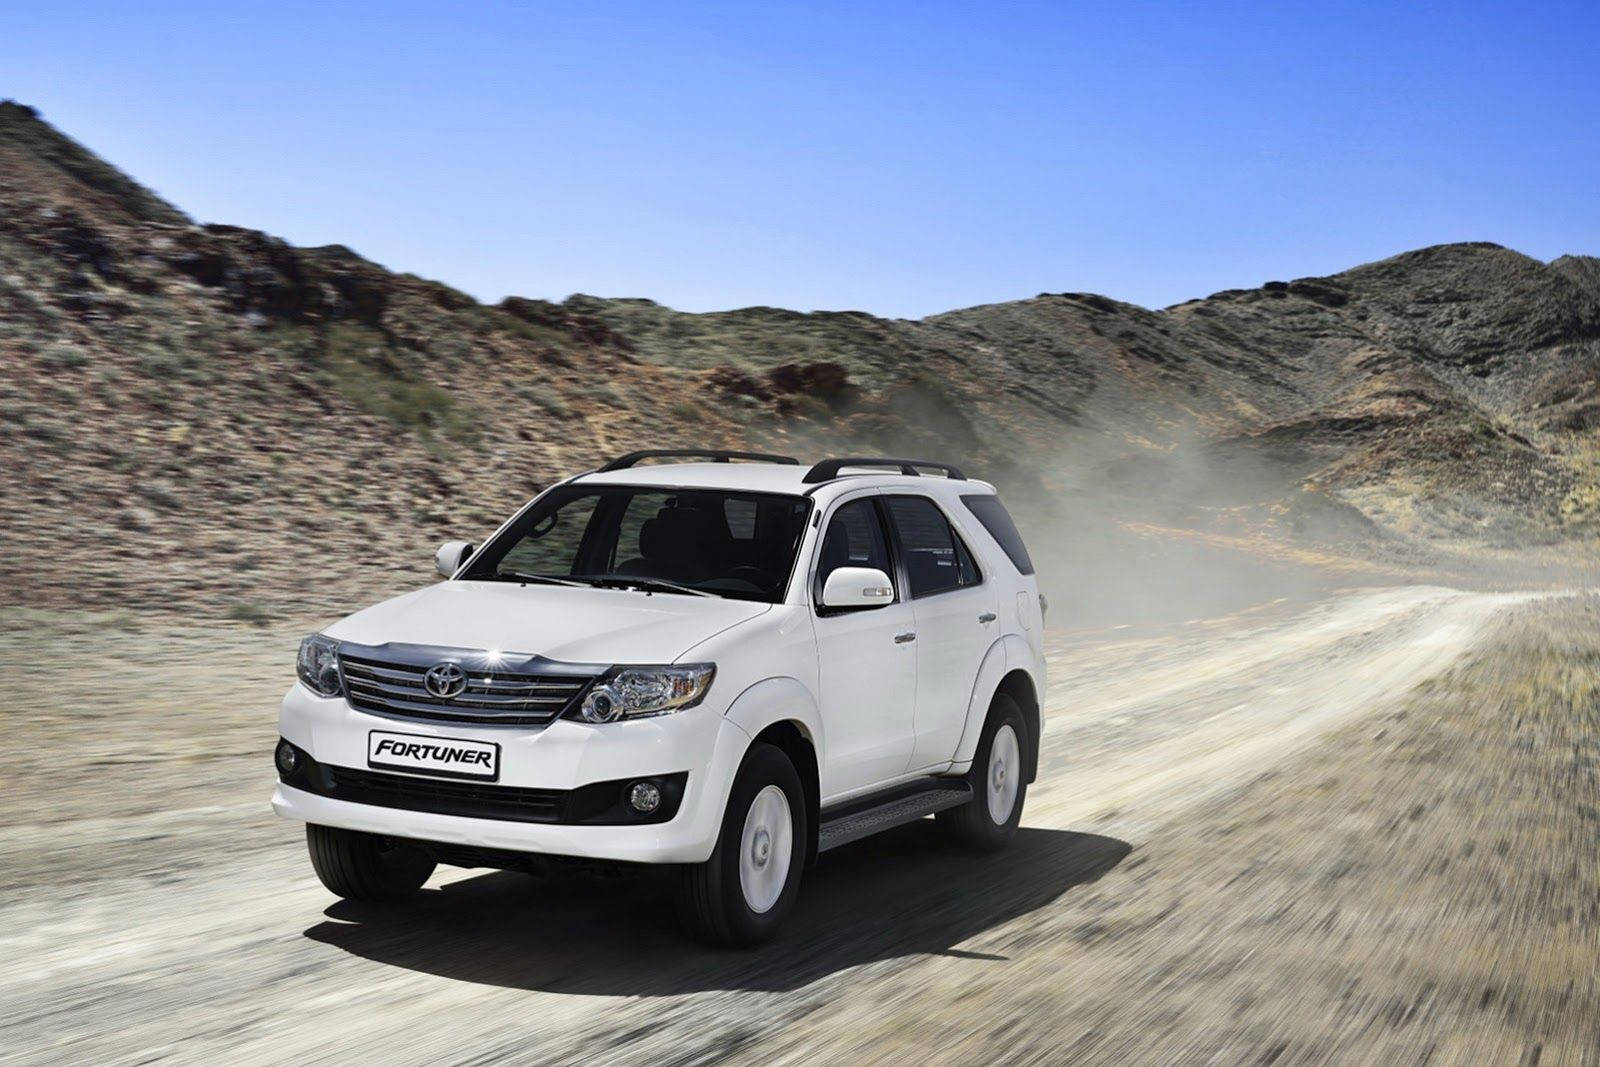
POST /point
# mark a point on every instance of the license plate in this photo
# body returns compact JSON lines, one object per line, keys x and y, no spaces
{"x":447,"y":757}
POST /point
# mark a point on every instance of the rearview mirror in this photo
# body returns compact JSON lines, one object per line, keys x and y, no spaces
{"x":857,"y":587}
{"x":451,"y":555}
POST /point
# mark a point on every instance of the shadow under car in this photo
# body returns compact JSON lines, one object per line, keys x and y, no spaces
{"x":901,"y":893}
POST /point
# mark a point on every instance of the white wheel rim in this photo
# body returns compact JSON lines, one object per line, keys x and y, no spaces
{"x":765,"y":848}
{"x":1005,"y":767}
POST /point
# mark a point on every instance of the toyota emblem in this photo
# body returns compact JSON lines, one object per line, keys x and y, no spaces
{"x":445,"y":680}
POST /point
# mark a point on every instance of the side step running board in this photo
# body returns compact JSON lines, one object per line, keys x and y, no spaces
{"x":855,"y":819}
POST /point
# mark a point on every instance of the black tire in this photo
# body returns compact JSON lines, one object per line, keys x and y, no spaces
{"x":712,"y":903}
{"x":972,"y":824}
{"x":360,"y":866}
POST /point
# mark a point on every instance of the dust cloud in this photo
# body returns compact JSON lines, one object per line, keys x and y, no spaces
{"x":1162,"y":535}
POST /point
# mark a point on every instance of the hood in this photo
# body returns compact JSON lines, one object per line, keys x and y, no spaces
{"x":557,"y":622}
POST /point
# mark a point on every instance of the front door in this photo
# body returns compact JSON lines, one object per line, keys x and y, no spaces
{"x":867,"y":661}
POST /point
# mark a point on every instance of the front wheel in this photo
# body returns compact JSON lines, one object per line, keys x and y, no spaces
{"x":360,"y":866}
{"x":741,"y":894}
{"x":998,"y":779}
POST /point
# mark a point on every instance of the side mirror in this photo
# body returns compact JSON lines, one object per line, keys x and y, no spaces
{"x":451,"y":555}
{"x":857,"y":587}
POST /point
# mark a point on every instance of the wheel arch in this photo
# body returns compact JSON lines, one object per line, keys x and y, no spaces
{"x":1018,"y":685}
{"x":790,"y":737}
{"x":782,"y":713}
{"x":1000,"y":673}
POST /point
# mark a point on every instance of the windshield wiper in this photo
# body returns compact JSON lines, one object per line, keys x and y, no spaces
{"x":518,"y":576}
{"x":636,"y":581}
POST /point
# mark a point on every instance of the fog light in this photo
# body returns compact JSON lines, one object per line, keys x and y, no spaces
{"x":644,"y":797}
{"x":285,"y":758}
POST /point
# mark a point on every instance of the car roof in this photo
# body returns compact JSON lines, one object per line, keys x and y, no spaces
{"x":765,"y":478}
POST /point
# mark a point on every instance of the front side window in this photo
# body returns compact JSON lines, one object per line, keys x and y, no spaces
{"x":854,"y":539}
{"x":713,"y":541}
{"x":936,"y":560}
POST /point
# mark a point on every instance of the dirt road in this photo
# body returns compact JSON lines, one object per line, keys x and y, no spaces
{"x":1365,"y":830}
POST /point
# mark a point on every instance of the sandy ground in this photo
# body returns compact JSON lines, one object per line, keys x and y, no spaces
{"x":1362,"y":831}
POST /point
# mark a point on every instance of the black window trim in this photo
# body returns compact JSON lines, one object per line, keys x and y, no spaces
{"x":898,"y":553}
{"x":898,"y":576}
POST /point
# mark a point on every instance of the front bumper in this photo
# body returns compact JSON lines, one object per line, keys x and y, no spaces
{"x":563,"y":755}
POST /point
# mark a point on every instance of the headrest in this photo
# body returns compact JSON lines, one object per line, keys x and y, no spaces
{"x":677,"y":533}
{"x":835,"y":548}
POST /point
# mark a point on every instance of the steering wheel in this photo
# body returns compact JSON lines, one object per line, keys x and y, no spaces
{"x":754,"y":575}
{"x":731,"y":584}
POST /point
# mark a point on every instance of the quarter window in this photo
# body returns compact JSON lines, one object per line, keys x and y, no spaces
{"x":997,"y":520}
{"x":935,"y":558}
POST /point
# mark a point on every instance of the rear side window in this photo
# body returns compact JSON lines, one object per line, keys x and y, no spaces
{"x":997,"y":520}
{"x":936,"y":560}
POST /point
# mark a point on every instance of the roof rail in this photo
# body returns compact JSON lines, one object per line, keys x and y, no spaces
{"x":829,"y":469}
{"x":714,"y":454}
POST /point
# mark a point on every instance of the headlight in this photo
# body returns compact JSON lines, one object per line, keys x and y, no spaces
{"x":318,"y":665}
{"x":631,"y":692}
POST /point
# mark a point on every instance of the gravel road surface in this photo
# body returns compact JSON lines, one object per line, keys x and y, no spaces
{"x":1365,"y":830}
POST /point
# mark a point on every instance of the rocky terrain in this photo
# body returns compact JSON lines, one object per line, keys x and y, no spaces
{"x":205,"y":418}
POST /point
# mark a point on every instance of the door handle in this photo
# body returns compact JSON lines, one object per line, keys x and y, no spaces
{"x":905,"y":638}
{"x":987,"y":617}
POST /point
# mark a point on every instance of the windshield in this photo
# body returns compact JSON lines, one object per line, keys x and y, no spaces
{"x":689,"y":541}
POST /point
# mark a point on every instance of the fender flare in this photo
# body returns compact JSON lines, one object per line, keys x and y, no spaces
{"x":774,"y":700}
{"x":785,"y":700}
{"x":1008,"y":653}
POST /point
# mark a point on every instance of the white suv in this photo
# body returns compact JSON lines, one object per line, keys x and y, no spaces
{"x":725,"y":667}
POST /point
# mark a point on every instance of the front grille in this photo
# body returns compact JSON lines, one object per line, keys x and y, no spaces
{"x":491,"y":696}
{"x":469,"y":799}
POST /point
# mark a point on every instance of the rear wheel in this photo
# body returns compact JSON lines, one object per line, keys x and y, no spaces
{"x":998,"y":779}
{"x":360,"y":866}
{"x":741,"y":894}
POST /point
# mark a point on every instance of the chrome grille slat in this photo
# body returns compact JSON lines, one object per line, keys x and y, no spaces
{"x":388,"y":687}
{"x":560,"y":695}
{"x":499,"y":685}
{"x":413,"y":677}
{"x":458,"y":710}
{"x":399,"y":674}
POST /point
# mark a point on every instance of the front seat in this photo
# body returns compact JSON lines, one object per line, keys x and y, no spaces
{"x":679,"y":544}
{"x":835,"y":551}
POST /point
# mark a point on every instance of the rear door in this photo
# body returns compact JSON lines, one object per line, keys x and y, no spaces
{"x":867,"y":665}
{"x":955,"y":611}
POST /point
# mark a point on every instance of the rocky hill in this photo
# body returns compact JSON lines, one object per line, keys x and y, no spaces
{"x":204,"y":417}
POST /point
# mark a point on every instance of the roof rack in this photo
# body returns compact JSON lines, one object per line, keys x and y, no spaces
{"x":715,"y":455}
{"x":829,"y":469}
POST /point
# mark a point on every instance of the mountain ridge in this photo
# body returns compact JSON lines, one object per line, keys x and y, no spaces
{"x":211,"y":393}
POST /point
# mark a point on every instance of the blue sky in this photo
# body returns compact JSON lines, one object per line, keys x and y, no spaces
{"x":896,"y":158}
